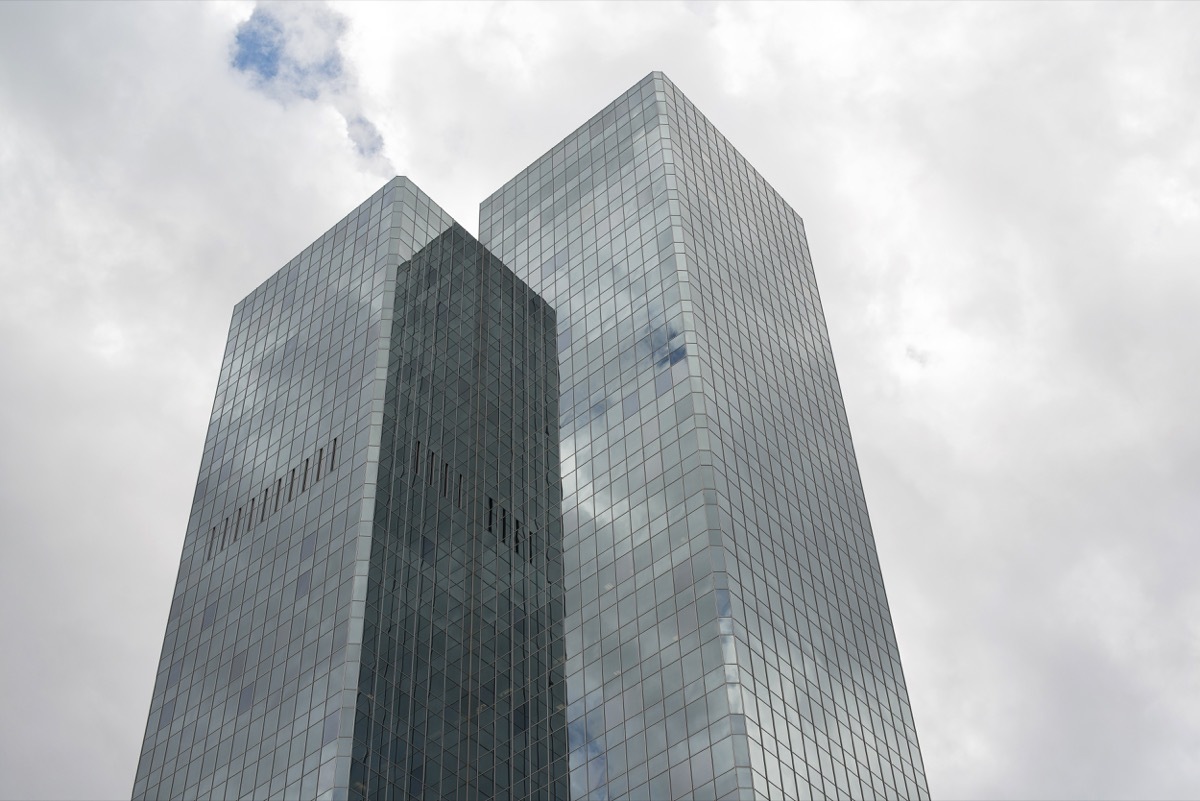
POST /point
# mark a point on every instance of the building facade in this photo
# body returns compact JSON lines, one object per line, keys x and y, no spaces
{"x":727,"y":631}
{"x":369,"y":600}
{"x":391,"y":588}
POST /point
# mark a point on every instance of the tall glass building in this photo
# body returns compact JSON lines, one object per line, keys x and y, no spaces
{"x":370,"y":600}
{"x":727,"y":631}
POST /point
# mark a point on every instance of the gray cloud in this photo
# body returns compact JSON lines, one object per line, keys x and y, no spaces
{"x":1010,"y":194}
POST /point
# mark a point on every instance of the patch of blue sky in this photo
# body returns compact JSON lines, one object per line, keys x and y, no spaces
{"x":292,"y":51}
{"x":365,"y":136}
{"x":258,"y":45}
{"x":261,"y":50}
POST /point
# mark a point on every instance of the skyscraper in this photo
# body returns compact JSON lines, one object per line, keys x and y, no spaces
{"x":727,"y":631}
{"x":380,"y":560}
{"x":369,"y":598}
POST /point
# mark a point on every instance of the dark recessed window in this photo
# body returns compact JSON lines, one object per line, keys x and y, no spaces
{"x":168,"y":712}
{"x":246,"y":699}
{"x":302,"y":584}
{"x":210,"y":615}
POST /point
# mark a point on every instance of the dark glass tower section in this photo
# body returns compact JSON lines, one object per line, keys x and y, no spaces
{"x":727,"y":630}
{"x":369,"y":597}
{"x":461,"y":686}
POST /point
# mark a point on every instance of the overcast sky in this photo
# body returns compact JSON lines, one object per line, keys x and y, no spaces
{"x":1003,"y":206}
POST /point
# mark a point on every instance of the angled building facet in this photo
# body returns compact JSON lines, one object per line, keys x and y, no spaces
{"x":727,"y":631}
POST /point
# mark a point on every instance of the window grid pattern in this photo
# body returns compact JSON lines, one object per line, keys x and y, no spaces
{"x":461,"y":691}
{"x":257,"y":683}
{"x":726,"y":628}
{"x":823,"y":690}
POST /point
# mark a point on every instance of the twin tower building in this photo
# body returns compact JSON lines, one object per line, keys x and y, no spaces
{"x":570,"y":511}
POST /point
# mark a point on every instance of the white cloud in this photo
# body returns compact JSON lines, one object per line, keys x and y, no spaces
{"x":1009,"y":192}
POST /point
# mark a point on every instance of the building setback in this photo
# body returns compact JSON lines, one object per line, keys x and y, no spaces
{"x":727,"y":631}
{"x":369,"y":600}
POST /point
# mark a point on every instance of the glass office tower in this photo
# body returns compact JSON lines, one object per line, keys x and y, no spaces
{"x":369,"y":600}
{"x":727,"y":632}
